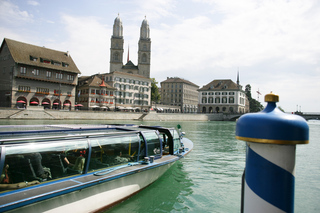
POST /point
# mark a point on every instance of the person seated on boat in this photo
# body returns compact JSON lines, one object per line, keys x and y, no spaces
{"x":121,"y":159}
{"x":80,"y":161}
{"x":65,"y":160}
{"x":39,"y":169}
{"x":6,"y":182}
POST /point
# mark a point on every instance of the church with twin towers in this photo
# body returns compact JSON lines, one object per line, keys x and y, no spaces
{"x":117,"y":51}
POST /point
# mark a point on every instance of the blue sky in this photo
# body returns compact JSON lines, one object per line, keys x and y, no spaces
{"x":275,"y":44}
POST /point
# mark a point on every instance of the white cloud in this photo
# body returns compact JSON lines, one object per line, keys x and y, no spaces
{"x":33,"y":3}
{"x":11,"y":14}
{"x":156,"y":9}
{"x":87,"y":41}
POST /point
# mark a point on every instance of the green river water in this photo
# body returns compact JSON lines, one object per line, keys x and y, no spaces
{"x":209,"y":178}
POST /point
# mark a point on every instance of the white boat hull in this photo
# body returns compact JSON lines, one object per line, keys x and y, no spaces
{"x":100,"y":196}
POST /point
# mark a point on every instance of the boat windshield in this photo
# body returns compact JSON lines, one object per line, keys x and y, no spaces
{"x":176,"y":141}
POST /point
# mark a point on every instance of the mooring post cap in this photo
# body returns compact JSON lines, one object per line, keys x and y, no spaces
{"x":272,"y":126}
{"x":271,"y":97}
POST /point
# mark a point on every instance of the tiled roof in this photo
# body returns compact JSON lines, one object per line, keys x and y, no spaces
{"x":179,"y":80}
{"x":127,"y":74}
{"x":130,"y":65}
{"x":220,"y":84}
{"x":92,"y":81}
{"x":23,"y":53}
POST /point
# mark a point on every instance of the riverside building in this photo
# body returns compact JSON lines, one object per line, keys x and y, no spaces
{"x":93,"y":93}
{"x":223,"y":96}
{"x":36,"y":76}
{"x":180,"y":92}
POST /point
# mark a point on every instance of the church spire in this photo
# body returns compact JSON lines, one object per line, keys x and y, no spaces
{"x":238,"y":82}
{"x":145,"y":30}
{"x":117,"y":27}
{"x":128,"y":54}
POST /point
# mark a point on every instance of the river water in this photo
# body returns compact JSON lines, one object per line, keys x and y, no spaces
{"x":209,"y":178}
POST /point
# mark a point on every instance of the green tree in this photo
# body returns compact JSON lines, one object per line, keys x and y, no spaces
{"x":255,"y":106}
{"x":155,"y":95}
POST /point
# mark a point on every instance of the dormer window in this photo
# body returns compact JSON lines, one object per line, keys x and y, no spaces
{"x":65,"y":64}
{"x":55,"y":63}
{"x":32,"y":58}
{"x":47,"y":61}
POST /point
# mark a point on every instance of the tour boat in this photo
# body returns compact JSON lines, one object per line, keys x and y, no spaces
{"x":82,"y":168}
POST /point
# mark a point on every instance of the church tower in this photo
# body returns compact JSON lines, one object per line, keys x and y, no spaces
{"x":144,"y":51}
{"x":116,"y":50}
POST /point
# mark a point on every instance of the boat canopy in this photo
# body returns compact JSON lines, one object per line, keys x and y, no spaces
{"x":46,"y":153}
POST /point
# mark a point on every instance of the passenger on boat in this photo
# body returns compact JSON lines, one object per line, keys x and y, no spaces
{"x":120,"y":159}
{"x":80,"y":161}
{"x":41,"y":171}
{"x":6,"y":183}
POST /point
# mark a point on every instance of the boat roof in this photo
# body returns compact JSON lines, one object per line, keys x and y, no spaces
{"x":25,"y":133}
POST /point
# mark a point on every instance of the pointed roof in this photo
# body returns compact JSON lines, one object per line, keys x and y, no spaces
{"x":33,"y":55}
{"x":102,"y":84}
{"x":145,"y":29}
{"x":220,"y":84}
{"x":178,"y":80}
{"x":129,"y":75}
{"x":93,"y":81}
{"x":130,"y":65}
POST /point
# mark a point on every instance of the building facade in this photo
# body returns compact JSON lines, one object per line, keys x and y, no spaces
{"x":36,"y":76}
{"x":144,"y":50}
{"x":223,"y":96}
{"x":132,"y":92}
{"x":180,"y":92}
{"x":93,"y":93}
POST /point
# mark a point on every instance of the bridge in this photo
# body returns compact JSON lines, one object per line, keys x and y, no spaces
{"x":309,"y":115}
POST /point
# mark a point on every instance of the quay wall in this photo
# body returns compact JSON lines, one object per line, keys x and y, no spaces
{"x":40,"y":114}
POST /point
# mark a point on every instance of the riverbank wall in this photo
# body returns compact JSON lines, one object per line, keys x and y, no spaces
{"x":41,"y":114}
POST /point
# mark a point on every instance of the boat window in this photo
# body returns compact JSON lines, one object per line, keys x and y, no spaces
{"x":153,"y":143}
{"x":165,"y":143}
{"x":111,"y":151}
{"x":44,"y":161}
{"x":176,"y":141}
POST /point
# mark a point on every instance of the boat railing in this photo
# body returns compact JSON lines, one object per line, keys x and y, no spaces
{"x":28,"y":139}
{"x":109,"y":170}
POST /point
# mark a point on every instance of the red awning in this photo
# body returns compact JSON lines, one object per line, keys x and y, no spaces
{"x":33,"y":102}
{"x":45,"y":103}
{"x":21,"y":101}
{"x":66,"y":104}
{"x":56,"y":103}
{"x":79,"y":105}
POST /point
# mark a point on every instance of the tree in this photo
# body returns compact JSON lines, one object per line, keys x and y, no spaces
{"x":155,"y":95}
{"x":255,"y":106}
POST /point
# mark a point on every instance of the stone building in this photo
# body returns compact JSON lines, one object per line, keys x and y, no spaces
{"x":36,"y":76}
{"x":180,"y":92}
{"x":223,"y":96}
{"x":132,"y":91}
{"x":93,"y":93}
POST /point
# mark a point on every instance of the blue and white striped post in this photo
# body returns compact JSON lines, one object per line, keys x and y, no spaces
{"x":271,"y":137}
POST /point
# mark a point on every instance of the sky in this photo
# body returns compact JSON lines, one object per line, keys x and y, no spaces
{"x":273,"y":44}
